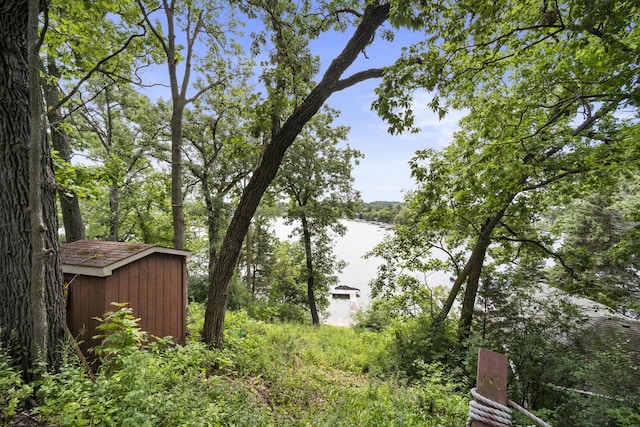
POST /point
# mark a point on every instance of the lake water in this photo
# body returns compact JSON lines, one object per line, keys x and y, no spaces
{"x":359,"y":239}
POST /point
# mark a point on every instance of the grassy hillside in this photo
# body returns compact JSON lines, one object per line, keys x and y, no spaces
{"x":267,"y":375}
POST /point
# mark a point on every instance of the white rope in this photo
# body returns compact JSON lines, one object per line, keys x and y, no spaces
{"x":528,"y":414}
{"x":495,"y":414}
{"x":488,"y":412}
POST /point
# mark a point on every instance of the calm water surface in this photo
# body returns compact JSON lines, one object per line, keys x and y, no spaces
{"x":359,"y":239}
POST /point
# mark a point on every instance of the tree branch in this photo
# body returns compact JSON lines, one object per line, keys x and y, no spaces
{"x":553,"y":179}
{"x":94,"y":69}
{"x":154,"y":30}
{"x":203,"y":90}
{"x":609,"y":40}
{"x":538,"y":244}
{"x":373,"y":73}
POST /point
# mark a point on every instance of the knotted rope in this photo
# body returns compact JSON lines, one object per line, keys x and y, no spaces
{"x":495,"y":414}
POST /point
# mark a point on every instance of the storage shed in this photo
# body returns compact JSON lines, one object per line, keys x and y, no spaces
{"x":151,"y":279}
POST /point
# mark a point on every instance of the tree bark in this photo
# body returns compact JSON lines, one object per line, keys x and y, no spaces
{"x":471,"y":272}
{"x":69,"y":204}
{"x":215,"y":207}
{"x":22,"y":325}
{"x":306,"y":235}
{"x":179,"y":101}
{"x":114,"y":212}
{"x":39,"y":253}
{"x":374,"y":16}
{"x":477,"y":256}
{"x":178,"y":104}
{"x":470,"y":294}
{"x":176,"y":174}
{"x":248,"y":261}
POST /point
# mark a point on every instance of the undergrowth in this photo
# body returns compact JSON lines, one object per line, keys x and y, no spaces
{"x":266,"y":375}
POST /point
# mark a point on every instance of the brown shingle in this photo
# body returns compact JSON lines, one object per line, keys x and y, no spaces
{"x":93,"y":253}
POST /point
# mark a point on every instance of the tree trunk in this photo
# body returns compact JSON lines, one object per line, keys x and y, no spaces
{"x":477,"y":256}
{"x":471,"y":272}
{"x":248,"y":261}
{"x":37,"y":227}
{"x":215,"y":207}
{"x":69,"y":204}
{"x":18,"y":328}
{"x":178,"y":102}
{"x":176,"y":174}
{"x":374,"y":16}
{"x":306,"y":235}
{"x":470,"y":293}
{"x":114,"y":216}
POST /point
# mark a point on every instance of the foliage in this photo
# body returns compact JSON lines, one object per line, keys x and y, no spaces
{"x":613,"y":398}
{"x":280,"y":293}
{"x":268,"y":374}
{"x":541,"y":85}
{"x":386,"y":212}
{"x":260,"y":253}
{"x":316,"y":178}
{"x":116,"y":132}
{"x":293,"y":100}
{"x":12,"y":388}
{"x":600,"y":248}
{"x":295,"y":375}
{"x":419,"y":339}
{"x":119,"y":334}
{"x":423,"y":340}
{"x":556,"y":354}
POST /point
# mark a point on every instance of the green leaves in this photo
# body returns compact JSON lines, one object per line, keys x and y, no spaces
{"x":541,"y":84}
{"x":599,"y":246}
{"x":316,"y":174}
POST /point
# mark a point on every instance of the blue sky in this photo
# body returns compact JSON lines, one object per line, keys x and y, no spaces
{"x":384,"y":173}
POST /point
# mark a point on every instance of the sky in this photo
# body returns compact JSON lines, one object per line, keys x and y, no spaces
{"x":383,"y":173}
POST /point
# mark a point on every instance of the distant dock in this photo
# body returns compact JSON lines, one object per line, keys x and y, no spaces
{"x":347,"y":292}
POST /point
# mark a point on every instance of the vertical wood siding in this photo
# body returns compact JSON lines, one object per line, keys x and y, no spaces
{"x":154,"y":287}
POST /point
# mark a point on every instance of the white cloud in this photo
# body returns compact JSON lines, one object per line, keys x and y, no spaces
{"x":435,"y":132}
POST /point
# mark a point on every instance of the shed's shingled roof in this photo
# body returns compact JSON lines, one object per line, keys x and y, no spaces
{"x":94,"y":253}
{"x":99,"y":258}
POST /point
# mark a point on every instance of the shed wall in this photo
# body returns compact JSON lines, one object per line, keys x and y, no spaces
{"x":154,"y":287}
{"x":155,"y":290}
{"x":85,"y":301}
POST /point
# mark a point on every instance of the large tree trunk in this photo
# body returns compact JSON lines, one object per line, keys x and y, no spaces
{"x":248,"y":261}
{"x":17,"y":325}
{"x":306,"y":235}
{"x":176,"y":173}
{"x":37,"y":228}
{"x":69,"y":204}
{"x":470,"y":294}
{"x":215,"y":207}
{"x":178,"y":98}
{"x":374,"y":16}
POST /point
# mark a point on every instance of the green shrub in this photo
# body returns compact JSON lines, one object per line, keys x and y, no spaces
{"x":12,"y":389}
{"x":195,"y":321}
{"x":422,"y":340}
{"x":120,"y":336}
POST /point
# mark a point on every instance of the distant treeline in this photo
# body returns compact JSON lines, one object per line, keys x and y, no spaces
{"x":380,"y":211}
